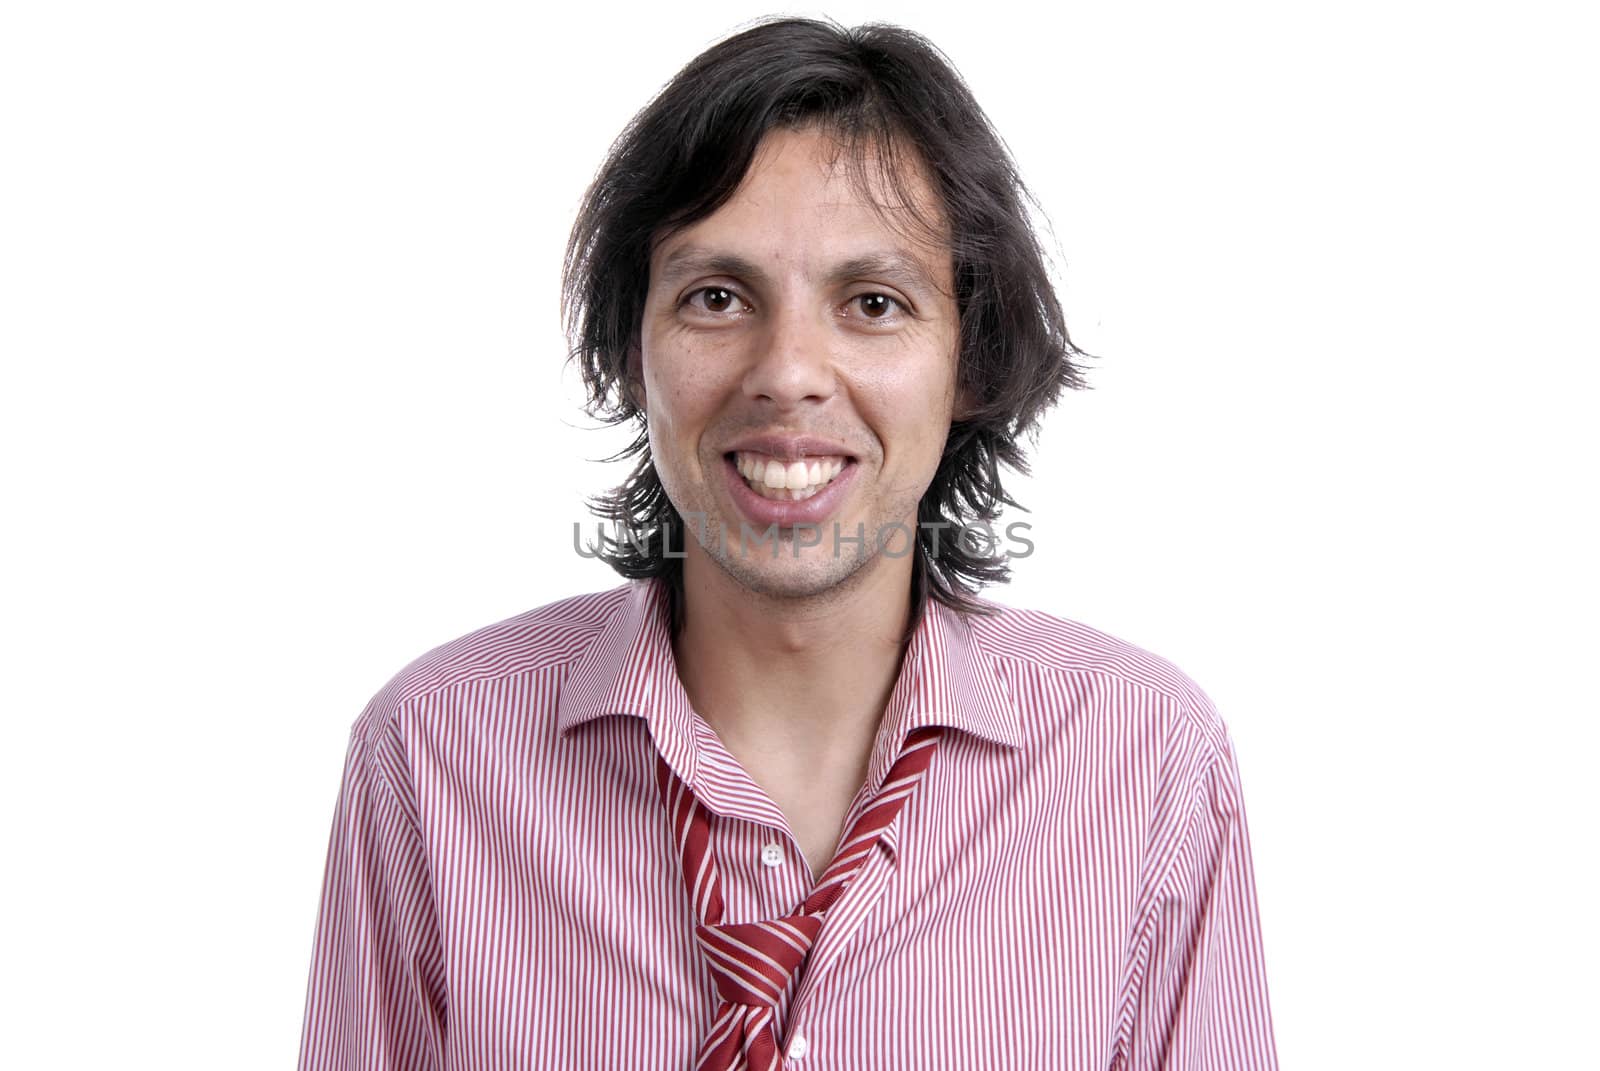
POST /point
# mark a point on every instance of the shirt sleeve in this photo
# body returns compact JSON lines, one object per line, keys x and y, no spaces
{"x":1199,"y":994}
{"x":376,"y":999}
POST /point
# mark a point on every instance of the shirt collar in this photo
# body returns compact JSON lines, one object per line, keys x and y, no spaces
{"x":947,"y":678}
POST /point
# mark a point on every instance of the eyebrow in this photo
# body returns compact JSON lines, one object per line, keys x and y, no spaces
{"x":892,"y":265}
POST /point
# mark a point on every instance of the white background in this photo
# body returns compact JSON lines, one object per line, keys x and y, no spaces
{"x":283,"y":407}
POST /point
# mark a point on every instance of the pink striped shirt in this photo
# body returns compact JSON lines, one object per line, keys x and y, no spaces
{"x":1070,"y":887}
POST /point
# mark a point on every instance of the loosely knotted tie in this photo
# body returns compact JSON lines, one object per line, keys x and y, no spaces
{"x":753,"y":963}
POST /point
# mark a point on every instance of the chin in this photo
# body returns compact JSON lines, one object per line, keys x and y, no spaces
{"x":815,"y":572}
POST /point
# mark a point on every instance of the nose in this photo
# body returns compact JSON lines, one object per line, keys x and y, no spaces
{"x":793,"y":360}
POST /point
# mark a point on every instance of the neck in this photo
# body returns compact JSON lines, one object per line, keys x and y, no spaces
{"x":801,"y":680}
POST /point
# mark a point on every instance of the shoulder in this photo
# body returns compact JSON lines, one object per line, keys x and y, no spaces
{"x":1093,"y":666}
{"x":540,"y":639}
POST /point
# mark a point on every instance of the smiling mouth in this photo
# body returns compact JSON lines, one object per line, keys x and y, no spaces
{"x":786,"y":481}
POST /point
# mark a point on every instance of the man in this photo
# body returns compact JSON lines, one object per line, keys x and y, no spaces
{"x":794,"y":795}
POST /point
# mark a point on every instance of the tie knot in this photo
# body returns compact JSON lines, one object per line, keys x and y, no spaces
{"x":753,"y":962}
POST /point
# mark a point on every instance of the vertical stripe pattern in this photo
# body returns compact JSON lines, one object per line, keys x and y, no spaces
{"x":755,"y":963}
{"x":1070,"y":887}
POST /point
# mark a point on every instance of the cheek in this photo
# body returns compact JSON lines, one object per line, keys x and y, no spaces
{"x":932,"y":412}
{"x":910,"y":415}
{"x":682,"y":387}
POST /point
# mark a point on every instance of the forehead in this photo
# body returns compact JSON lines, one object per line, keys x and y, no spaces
{"x":809,"y":192}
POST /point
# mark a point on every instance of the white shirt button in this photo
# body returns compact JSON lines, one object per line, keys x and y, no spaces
{"x":772,"y":855}
{"x":798,"y":1047}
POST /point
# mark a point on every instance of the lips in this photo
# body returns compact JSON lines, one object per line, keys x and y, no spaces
{"x":815,"y":501}
{"x":792,"y":481}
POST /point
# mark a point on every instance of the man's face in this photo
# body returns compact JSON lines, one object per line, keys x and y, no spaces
{"x":798,"y":336}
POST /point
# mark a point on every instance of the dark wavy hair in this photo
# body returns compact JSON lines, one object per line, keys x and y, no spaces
{"x":887,"y":94}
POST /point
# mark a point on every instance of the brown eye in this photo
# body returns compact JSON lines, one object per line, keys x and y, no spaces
{"x":876,"y":306}
{"x":715,"y":299}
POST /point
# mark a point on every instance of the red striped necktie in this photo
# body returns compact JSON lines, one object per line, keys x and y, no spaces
{"x":753,"y":963}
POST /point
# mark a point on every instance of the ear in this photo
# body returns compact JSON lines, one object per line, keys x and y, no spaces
{"x":966,"y":404}
{"x":633,"y":376}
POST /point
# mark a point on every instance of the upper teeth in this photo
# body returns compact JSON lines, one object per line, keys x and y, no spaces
{"x":805,"y":477}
